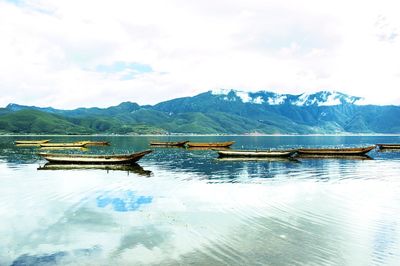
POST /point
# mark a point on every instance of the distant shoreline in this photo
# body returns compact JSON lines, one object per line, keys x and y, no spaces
{"x":201,"y":135}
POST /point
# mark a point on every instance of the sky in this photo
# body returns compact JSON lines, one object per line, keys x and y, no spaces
{"x":69,"y":53}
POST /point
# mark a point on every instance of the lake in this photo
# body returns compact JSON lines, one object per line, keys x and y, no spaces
{"x":180,"y":206}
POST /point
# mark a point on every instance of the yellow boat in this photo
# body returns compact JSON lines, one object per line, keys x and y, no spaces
{"x":31,"y":142}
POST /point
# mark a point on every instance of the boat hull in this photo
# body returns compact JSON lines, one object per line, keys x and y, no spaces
{"x":64,"y":145}
{"x":94,"y":143}
{"x":31,"y":142}
{"x":94,"y":159}
{"x":169,"y":144}
{"x":336,"y":152}
{"x":389,"y":146}
{"x":256,"y":153}
{"x":339,"y":157}
{"x":209,"y":145}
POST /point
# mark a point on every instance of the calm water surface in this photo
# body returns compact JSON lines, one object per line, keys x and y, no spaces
{"x":180,"y":207}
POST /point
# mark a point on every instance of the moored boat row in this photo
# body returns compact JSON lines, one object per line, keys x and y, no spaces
{"x":224,"y":151}
{"x":222,"y":148}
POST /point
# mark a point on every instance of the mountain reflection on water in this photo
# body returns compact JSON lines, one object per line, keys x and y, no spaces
{"x":179,"y":207}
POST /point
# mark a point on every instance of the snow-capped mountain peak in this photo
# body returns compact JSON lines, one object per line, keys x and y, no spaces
{"x":325,"y":98}
{"x":322,"y":98}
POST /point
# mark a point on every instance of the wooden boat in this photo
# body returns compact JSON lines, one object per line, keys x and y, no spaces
{"x":256,"y":153}
{"x":64,"y":148}
{"x":130,"y":168}
{"x":94,"y":159}
{"x":392,"y":146}
{"x":336,"y":151}
{"x":94,"y":143}
{"x":209,"y":144}
{"x":27,"y":145}
{"x":207,"y":148}
{"x":339,"y":157}
{"x":169,"y":143}
{"x":64,"y":145}
{"x":31,"y":142}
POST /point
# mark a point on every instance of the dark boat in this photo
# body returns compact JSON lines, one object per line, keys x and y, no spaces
{"x":94,"y":143}
{"x":256,"y":153}
{"x":64,"y":145}
{"x":169,"y":143}
{"x":392,"y":146}
{"x":336,"y":151}
{"x":209,"y":144}
{"x":94,"y":159}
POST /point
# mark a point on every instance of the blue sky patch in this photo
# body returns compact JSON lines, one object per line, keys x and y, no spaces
{"x":130,"y":68}
{"x":128,"y":201}
{"x":16,"y":2}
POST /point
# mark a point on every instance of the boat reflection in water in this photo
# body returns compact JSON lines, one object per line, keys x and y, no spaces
{"x":131,"y":168}
{"x":259,"y":159}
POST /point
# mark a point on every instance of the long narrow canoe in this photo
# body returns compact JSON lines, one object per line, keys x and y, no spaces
{"x":94,"y":143}
{"x":32,"y":142}
{"x":256,"y":153}
{"x":64,"y":148}
{"x":393,"y":146}
{"x":168,"y":143}
{"x":94,"y":159}
{"x":340,"y":157}
{"x":209,"y":144}
{"x":336,"y":151}
{"x":64,"y":145}
{"x":207,"y":148}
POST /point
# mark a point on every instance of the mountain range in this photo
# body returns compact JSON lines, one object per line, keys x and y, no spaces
{"x":212,"y":112}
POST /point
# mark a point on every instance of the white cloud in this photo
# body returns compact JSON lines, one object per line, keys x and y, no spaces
{"x":50,"y":50}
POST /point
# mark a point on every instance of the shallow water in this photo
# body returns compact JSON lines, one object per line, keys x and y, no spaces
{"x":187,"y":207}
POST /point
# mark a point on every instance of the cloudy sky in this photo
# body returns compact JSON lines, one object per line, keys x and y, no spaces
{"x":69,"y":53}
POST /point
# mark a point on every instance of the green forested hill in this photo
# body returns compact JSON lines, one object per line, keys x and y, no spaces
{"x":211,"y":113}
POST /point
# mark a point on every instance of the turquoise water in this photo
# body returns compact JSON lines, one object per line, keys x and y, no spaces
{"x":184,"y":207}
